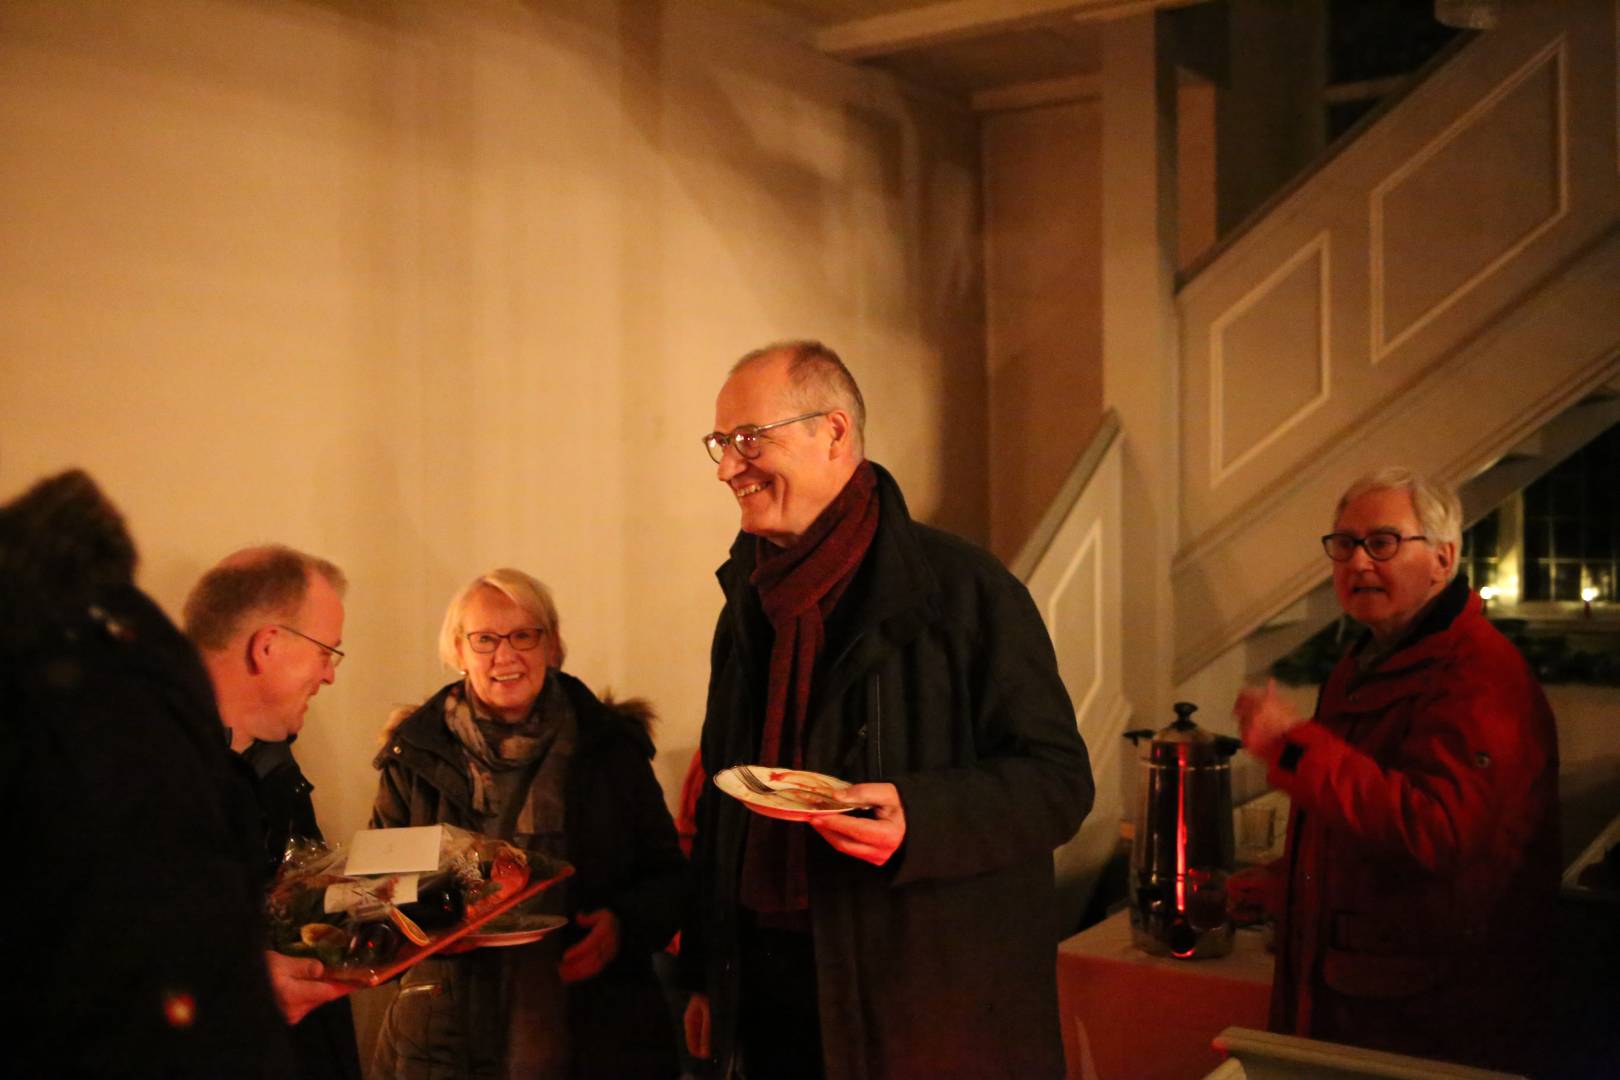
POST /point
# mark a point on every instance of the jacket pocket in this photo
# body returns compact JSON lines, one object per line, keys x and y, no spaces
{"x":1366,"y":975}
{"x":1374,"y":956}
{"x":874,"y":728}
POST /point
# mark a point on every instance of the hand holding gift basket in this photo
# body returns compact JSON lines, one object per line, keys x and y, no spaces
{"x":398,"y":896}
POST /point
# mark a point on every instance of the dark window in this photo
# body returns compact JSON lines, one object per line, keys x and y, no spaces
{"x":1567,"y":536}
{"x":1536,"y":544}
{"x":1535,"y":578}
{"x":1369,"y":39}
{"x":1571,"y":518}
{"x":1479,"y":550}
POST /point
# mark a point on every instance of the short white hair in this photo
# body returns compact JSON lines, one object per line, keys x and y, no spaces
{"x":1438,"y":510}
{"x":524,"y":590}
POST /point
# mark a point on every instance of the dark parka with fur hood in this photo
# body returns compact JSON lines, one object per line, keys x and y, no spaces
{"x":937,"y":676}
{"x":621,"y":842}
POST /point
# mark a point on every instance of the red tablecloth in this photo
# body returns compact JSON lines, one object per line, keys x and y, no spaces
{"x":1131,"y":1016}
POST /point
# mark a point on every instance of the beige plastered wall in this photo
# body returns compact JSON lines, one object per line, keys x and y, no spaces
{"x":431,"y":288}
{"x":1043,"y":275}
{"x":1044,"y":269}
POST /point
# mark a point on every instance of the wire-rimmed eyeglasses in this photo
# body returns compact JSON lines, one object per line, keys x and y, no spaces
{"x":333,"y":653}
{"x":745,"y":440}
{"x":522,"y":639}
{"x":1381,"y":545}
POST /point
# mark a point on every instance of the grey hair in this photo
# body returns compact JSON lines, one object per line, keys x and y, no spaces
{"x":1439,"y":511}
{"x":524,"y":590}
{"x":818,"y":380}
{"x":270,"y":581}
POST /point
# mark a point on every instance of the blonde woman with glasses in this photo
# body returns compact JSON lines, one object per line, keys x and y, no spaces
{"x":519,"y":749}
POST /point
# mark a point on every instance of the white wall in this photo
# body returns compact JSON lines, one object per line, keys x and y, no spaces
{"x":429,"y":288}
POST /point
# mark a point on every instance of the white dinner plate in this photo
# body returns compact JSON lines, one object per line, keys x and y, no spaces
{"x":513,"y":930}
{"x":796,"y":795}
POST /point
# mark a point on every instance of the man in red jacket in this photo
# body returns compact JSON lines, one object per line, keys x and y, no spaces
{"x":1423,"y":856}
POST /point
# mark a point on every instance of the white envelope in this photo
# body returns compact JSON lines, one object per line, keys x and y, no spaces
{"x":394,"y":851}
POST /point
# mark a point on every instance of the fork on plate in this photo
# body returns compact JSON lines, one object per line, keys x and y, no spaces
{"x":753,"y":783}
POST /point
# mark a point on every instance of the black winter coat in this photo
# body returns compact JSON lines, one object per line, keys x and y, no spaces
{"x":621,"y":842}
{"x":937,"y":676}
{"x":135,"y":931}
{"x":323,"y":1041}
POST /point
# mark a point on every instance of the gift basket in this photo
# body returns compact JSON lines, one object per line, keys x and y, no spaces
{"x":398,"y":896}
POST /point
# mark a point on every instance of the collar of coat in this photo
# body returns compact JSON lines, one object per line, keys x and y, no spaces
{"x":1436,"y":618}
{"x":894,"y":595}
{"x":422,"y":741}
{"x":267,"y":757}
{"x":1426,"y":643}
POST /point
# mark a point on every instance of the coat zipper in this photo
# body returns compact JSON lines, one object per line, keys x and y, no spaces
{"x":874,"y":727}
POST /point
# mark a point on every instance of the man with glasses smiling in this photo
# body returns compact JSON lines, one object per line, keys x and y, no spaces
{"x":268,"y":622}
{"x":1423,"y":851}
{"x":918,"y":937}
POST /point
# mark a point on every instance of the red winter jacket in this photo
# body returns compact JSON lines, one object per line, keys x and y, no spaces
{"x":1423,"y":852}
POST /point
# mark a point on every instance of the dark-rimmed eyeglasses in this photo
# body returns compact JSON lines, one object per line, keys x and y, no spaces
{"x":1381,"y":545}
{"x":522,"y":639}
{"x":745,"y":440}
{"x":333,"y":653}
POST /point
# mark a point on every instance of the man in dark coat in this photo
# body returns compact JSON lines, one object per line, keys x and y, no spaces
{"x":268,"y":622}
{"x":1422,"y":864}
{"x":916,"y":938}
{"x":135,"y":929}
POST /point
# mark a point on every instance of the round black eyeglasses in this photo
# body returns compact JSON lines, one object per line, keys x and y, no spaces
{"x":1381,"y":546}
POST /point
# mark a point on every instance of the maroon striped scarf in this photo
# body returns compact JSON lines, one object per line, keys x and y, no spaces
{"x":798,"y":587}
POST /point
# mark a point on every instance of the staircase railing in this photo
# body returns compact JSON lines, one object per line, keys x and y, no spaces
{"x":1072,"y":566}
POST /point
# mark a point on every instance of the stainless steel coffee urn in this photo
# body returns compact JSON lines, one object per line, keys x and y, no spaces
{"x":1182,"y":852}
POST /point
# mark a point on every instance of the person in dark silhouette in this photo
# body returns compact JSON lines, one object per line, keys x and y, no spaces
{"x":135,"y":933}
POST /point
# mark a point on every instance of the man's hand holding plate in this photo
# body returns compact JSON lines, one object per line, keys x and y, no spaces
{"x":874,"y":839}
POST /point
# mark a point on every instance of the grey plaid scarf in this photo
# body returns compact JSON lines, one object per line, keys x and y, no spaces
{"x":545,"y":736}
